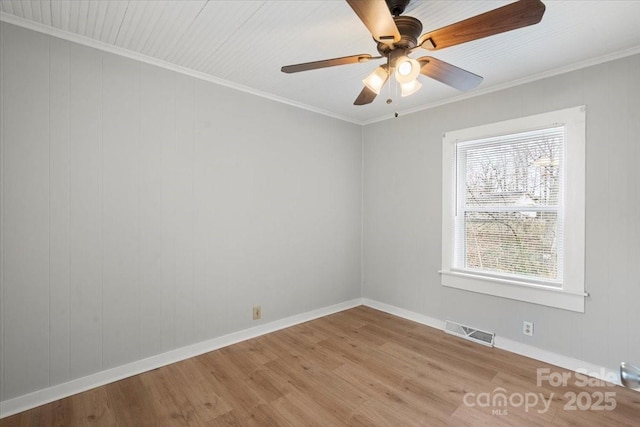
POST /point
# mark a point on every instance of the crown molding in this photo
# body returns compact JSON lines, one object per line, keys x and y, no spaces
{"x":116,"y":50}
{"x":86,"y":41}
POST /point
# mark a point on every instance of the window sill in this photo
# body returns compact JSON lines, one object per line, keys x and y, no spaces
{"x":520,"y":291}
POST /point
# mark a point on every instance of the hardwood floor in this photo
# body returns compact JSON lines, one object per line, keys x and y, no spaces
{"x":359,"y":367}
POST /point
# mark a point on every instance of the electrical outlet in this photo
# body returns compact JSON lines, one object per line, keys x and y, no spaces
{"x":257,"y":312}
{"x":527,"y":328}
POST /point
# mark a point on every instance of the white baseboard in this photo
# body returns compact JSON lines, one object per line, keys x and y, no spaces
{"x":603,"y":373}
{"x":405,"y":314}
{"x":50,"y":394}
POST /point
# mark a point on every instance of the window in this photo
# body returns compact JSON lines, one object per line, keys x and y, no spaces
{"x":513,"y":209}
{"x":507,"y":205}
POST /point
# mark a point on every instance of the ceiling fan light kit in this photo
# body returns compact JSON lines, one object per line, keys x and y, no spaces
{"x":398,"y":36}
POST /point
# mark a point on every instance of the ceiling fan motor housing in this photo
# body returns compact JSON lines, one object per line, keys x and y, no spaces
{"x":410,"y":29}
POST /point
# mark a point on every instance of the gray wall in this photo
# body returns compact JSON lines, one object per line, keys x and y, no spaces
{"x":144,"y":210}
{"x":402,"y":214}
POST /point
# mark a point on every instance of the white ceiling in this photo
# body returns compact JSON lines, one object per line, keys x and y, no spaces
{"x":244,"y":43}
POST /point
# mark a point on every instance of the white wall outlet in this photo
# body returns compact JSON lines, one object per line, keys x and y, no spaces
{"x":527,"y":328}
{"x":257,"y":312}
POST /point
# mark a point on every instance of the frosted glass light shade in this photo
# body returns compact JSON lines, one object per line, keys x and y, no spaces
{"x":407,"y":69}
{"x":376,"y":80}
{"x":410,"y":88}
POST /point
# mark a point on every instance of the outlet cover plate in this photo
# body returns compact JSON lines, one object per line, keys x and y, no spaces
{"x":527,"y":328}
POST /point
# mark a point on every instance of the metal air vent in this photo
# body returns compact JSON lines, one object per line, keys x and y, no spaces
{"x":469,"y":333}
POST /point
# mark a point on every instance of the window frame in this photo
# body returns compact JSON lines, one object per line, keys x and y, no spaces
{"x":570,"y":292}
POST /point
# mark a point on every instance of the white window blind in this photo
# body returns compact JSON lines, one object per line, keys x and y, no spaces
{"x":508,"y":219}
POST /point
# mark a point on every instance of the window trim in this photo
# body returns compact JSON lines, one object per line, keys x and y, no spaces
{"x":570,"y":295}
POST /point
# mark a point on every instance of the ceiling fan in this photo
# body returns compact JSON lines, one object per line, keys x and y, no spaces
{"x":398,"y":36}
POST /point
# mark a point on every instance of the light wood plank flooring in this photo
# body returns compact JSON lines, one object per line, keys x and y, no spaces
{"x":359,"y":367}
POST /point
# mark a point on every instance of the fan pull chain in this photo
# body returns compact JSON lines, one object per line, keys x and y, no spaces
{"x":397,"y":97}
{"x":389,"y":100}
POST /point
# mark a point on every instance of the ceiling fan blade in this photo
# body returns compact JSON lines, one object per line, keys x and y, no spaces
{"x":448,"y":74}
{"x":354,"y":59}
{"x":375,"y":15}
{"x":366,"y":97}
{"x":506,"y":18}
